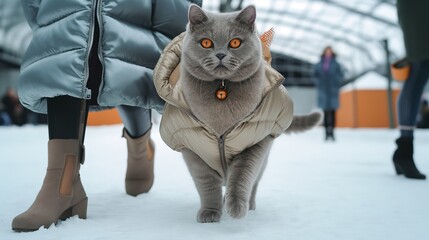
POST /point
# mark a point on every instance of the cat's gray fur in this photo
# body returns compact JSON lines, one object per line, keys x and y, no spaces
{"x":243,"y":68}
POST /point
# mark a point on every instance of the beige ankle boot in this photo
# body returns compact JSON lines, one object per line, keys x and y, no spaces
{"x":139,"y":176}
{"x":62,"y":194}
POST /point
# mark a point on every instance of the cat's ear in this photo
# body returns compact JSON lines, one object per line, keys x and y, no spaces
{"x":196,"y":15}
{"x":247,"y":16}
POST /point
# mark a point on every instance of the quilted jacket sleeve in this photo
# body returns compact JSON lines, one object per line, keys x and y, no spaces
{"x":171,"y":17}
{"x":31,"y":7}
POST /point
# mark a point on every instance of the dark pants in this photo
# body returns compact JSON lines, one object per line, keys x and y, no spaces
{"x":410,"y":97}
{"x":329,"y":122}
{"x":65,"y":113}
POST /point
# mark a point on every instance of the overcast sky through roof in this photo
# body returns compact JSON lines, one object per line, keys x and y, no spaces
{"x":354,"y":28}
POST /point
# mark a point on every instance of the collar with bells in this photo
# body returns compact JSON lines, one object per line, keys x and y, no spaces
{"x":221,"y":93}
{"x":266,"y":38}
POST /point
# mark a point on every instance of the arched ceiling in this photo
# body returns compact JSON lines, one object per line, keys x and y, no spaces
{"x":354,"y":28}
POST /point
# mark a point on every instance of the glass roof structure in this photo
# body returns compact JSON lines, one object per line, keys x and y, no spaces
{"x":303,"y":28}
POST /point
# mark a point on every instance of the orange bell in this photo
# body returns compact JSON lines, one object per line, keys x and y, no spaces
{"x":221,"y":94}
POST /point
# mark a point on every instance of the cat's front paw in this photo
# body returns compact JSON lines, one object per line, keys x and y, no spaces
{"x":236,"y":207}
{"x":208,"y":215}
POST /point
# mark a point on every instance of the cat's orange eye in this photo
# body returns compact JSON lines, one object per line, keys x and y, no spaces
{"x":235,"y":43}
{"x":206,"y":43}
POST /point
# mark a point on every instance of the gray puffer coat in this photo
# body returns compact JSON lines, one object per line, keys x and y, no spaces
{"x":15,"y":35}
{"x":133,"y":34}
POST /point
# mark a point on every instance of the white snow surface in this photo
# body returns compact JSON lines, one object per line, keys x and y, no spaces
{"x":311,"y":190}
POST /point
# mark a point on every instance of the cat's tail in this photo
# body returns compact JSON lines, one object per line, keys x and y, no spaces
{"x":301,"y":123}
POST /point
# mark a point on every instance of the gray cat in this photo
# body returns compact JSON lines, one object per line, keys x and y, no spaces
{"x":225,"y":109}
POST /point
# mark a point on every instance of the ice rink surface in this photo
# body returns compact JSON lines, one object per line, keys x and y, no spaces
{"x":311,"y":190}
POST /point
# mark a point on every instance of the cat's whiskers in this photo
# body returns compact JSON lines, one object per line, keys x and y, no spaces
{"x":234,"y":62}
{"x":209,"y":63}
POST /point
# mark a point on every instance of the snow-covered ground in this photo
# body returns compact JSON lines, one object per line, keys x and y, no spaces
{"x":311,"y":190}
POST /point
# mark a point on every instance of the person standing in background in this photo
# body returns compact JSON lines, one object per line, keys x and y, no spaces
{"x":328,"y":76}
{"x":89,"y":55}
{"x":413,"y":18}
{"x":17,"y":113}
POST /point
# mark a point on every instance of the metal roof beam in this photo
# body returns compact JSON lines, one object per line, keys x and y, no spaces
{"x":349,"y":9}
{"x":327,"y":35}
{"x":322,"y":23}
{"x":310,"y":50}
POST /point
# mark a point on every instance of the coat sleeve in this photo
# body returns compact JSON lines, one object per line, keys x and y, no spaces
{"x":198,"y":2}
{"x":31,"y":8}
{"x":167,"y":63}
{"x":171,"y":16}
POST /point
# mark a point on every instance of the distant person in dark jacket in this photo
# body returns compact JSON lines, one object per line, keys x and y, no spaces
{"x":413,"y":18}
{"x":93,"y":54}
{"x":328,"y":77}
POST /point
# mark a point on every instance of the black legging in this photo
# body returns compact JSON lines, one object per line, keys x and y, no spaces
{"x":64,"y":114}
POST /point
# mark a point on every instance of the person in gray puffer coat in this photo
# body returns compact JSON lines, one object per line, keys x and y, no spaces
{"x":87,"y":55}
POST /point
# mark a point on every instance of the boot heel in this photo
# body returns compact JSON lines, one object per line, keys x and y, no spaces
{"x":398,"y":169}
{"x":80,"y":209}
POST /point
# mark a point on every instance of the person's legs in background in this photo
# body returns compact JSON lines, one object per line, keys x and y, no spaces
{"x":326,"y":123}
{"x":62,"y":194}
{"x":329,"y":123}
{"x":140,"y":163}
{"x":408,"y":106}
{"x":333,"y":120}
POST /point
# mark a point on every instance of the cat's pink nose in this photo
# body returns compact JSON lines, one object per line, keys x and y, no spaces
{"x":220,"y":56}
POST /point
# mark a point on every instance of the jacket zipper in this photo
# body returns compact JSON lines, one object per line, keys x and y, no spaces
{"x":85,"y":91}
{"x":99,"y":50}
{"x":221,"y":140}
{"x":223,"y":158}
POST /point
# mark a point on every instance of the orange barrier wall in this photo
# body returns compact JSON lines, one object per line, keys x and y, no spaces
{"x":358,"y":109}
{"x":105,"y":117}
{"x":365,"y":109}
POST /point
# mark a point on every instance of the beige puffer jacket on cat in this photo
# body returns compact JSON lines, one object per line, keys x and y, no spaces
{"x":181,"y":129}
